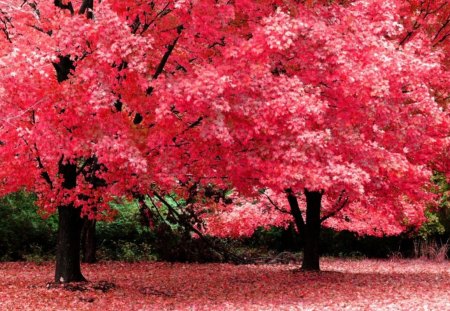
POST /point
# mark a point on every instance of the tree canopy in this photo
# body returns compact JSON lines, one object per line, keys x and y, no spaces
{"x":105,"y":99}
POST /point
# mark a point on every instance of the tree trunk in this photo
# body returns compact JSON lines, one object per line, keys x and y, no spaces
{"x":312,"y":231}
{"x":68,"y":267}
{"x":88,"y":241}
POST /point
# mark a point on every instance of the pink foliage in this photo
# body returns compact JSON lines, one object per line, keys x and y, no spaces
{"x":271,"y":95}
{"x":345,"y":284}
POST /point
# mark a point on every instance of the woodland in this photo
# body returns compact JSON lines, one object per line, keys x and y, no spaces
{"x":205,"y":154}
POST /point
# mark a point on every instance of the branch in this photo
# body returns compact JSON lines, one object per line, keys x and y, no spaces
{"x":340,"y":203}
{"x":282,"y":210}
{"x":142,"y":203}
{"x":192,"y":125}
{"x":33,"y":6}
{"x":295,"y":210}
{"x":49,"y":32}
{"x":68,"y":6}
{"x":44,"y":173}
{"x":444,"y":37}
{"x":87,"y":5}
{"x":160,"y":15}
{"x":89,"y":161}
{"x":166,"y":55}
{"x":5,"y":21}
{"x":185,"y":223}
{"x":442,"y":28}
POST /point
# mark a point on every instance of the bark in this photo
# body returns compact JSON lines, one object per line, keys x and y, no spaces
{"x":312,"y":231}
{"x":88,"y":241}
{"x":68,"y":267}
{"x":296,"y":212}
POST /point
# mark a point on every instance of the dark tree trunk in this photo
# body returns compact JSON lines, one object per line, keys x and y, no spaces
{"x":312,"y":231}
{"x":88,"y":241}
{"x":68,"y":267}
{"x":297,"y":215}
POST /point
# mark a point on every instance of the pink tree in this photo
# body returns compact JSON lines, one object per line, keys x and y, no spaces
{"x":78,"y":123}
{"x":62,"y":136}
{"x":329,"y":102}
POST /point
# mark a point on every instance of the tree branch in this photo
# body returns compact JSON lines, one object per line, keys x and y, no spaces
{"x":340,"y":203}
{"x":166,"y":55}
{"x":282,"y":210}
{"x":87,"y":5}
{"x":5,"y":20}
{"x":160,"y":14}
{"x":295,"y":211}
{"x":68,"y":6}
{"x":443,"y":26}
{"x":188,"y":225}
{"x":86,"y":163}
{"x":44,"y":173}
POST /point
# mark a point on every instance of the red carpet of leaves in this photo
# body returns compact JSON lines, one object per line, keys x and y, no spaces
{"x":344,"y":285}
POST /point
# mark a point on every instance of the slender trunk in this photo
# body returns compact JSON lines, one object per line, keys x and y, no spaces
{"x":88,"y":241}
{"x":312,"y":231}
{"x":68,"y":267}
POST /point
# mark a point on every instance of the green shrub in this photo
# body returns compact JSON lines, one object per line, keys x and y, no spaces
{"x":128,"y":251}
{"x":125,"y":238}
{"x":22,"y":231}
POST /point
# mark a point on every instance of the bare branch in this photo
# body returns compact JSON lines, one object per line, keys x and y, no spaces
{"x":340,"y":203}
{"x":192,"y":228}
{"x":282,"y":210}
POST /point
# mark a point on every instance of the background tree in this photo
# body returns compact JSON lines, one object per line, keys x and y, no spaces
{"x":328,"y":105}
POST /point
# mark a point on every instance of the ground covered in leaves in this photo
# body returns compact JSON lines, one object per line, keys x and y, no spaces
{"x":343,"y":285}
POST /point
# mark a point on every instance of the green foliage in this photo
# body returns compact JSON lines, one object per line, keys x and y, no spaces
{"x":332,"y":243}
{"x":276,"y":238}
{"x":438,"y":218}
{"x":155,"y":235}
{"x":173,"y":222}
{"x":433,"y":226}
{"x":38,"y":255}
{"x":350,"y":245}
{"x":158,"y":235}
{"x":24,"y":235}
{"x":128,"y":251}
{"x":443,"y":212}
{"x":125,"y":239}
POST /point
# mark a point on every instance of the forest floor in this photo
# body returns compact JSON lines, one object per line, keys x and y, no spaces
{"x":343,"y":285}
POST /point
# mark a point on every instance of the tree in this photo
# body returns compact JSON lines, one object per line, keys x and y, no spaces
{"x":58,"y":118}
{"x":330,"y":105}
{"x":79,"y":122}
